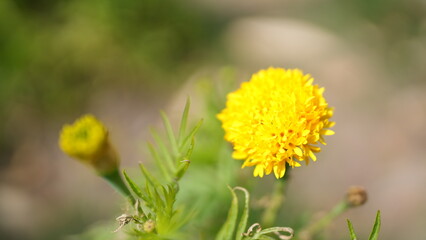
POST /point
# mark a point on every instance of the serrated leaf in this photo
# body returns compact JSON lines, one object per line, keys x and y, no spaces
{"x":376,"y":228}
{"x":170,"y":134}
{"x":132,"y":185}
{"x":227,"y":230}
{"x":244,"y":216}
{"x":184,"y":121}
{"x":351,"y":230}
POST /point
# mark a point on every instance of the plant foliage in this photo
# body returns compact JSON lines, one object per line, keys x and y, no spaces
{"x":157,"y":216}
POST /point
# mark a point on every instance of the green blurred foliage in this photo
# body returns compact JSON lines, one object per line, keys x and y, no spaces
{"x":56,"y":54}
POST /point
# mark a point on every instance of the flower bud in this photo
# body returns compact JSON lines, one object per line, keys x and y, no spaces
{"x":356,"y":196}
{"x":87,"y":140}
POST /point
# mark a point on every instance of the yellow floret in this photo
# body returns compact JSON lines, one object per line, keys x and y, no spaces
{"x":275,"y":119}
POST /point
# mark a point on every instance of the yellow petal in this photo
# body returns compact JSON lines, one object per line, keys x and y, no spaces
{"x":239,"y":155}
{"x":305,"y":132}
{"x":315,"y":149}
{"x":309,"y":82}
{"x":296,"y":164}
{"x":282,"y":173}
{"x":312,"y":155}
{"x":298,"y":151}
{"x":268,"y":169}
{"x":276,"y":172}
{"x":258,"y":171}
{"x":279,"y":170}
{"x":327,"y":132}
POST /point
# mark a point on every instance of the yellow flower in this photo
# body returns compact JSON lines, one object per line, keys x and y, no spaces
{"x":276,"y":118}
{"x":87,"y":140}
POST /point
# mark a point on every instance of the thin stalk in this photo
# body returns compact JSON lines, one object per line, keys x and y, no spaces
{"x":270,"y":214}
{"x":277,"y":198}
{"x":318,"y":226}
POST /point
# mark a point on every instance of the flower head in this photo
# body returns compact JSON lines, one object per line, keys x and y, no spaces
{"x":87,"y":140}
{"x":276,"y":118}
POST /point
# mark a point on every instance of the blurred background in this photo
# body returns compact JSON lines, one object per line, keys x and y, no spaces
{"x":124,"y":60}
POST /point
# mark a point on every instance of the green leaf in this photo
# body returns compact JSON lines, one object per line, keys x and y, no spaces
{"x":264,"y":237}
{"x":351,"y":230}
{"x":160,"y":205}
{"x":148,"y":198}
{"x":244,"y":216}
{"x":170,"y":134}
{"x":149,"y":178}
{"x":184,"y":121}
{"x":170,"y":198}
{"x":190,"y":149}
{"x":182,"y":169}
{"x":191,"y":134}
{"x":376,"y":228}
{"x":159,"y":164}
{"x":287,"y":230}
{"x":228,"y":227}
{"x":132,"y":185}
{"x":164,"y":152}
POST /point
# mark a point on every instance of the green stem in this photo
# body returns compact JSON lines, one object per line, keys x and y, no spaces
{"x":116,"y":181}
{"x":326,"y":220}
{"x":277,"y":197}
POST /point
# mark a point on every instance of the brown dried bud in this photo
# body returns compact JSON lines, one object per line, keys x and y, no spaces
{"x":356,"y":196}
{"x":123,"y":220}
